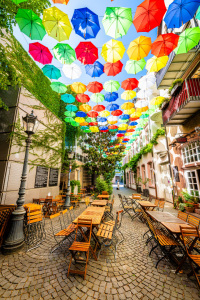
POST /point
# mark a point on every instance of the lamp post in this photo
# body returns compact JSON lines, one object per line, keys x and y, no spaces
{"x":15,"y":237}
{"x":67,"y":200}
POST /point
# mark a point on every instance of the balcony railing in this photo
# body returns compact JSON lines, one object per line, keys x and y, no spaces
{"x":184,"y":104}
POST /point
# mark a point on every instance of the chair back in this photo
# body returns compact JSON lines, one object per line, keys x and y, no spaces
{"x":136,"y":196}
{"x":149,"y":223}
{"x":65,"y":217}
{"x":161,"y":205}
{"x":49,"y":197}
{"x":118,"y":220}
{"x":183,"y":216}
{"x":56,"y":224}
{"x":156,"y":202}
{"x":186,"y":232}
{"x":87,"y":201}
{"x":194,"y":221}
{"x":104,"y":193}
{"x":84,"y":223}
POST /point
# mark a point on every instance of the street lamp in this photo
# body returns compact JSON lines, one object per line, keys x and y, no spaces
{"x":67,"y":200}
{"x":15,"y":237}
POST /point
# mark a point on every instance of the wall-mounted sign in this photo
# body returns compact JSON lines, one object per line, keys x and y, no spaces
{"x":176,"y":174}
{"x":53,"y":177}
{"x":41,"y":177}
{"x":181,"y":140}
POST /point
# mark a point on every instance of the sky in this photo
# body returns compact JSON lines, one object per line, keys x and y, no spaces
{"x":98,"y":7}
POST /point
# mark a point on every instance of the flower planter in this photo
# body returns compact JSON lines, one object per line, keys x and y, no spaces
{"x":146,"y":192}
{"x":176,"y":87}
{"x":139,"y":190}
{"x":189,"y":209}
{"x":164,"y":105}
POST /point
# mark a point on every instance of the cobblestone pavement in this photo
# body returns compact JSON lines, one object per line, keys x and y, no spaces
{"x":37,"y":274}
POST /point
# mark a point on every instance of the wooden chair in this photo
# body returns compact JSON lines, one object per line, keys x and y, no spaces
{"x":136,"y":196}
{"x":183,"y":216}
{"x":87,"y":201}
{"x":5,"y":214}
{"x":194,"y":221}
{"x":104,"y":193}
{"x":109,"y":208}
{"x":127,"y":208}
{"x":81,"y":247}
{"x":156,"y":202}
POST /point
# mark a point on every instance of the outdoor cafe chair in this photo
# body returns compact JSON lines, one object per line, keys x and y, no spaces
{"x":109,"y":208}
{"x":87,"y":201}
{"x":183,"y":216}
{"x":160,"y":204}
{"x":127,"y":207}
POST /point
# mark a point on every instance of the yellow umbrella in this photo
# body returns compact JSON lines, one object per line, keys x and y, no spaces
{"x":78,"y":87}
{"x":112,"y":51}
{"x":131,"y":127}
{"x":129,"y":111}
{"x":136,"y":114}
{"x":85,"y":107}
{"x":112,"y":122}
{"x":84,"y":124}
{"x":122,"y":126}
{"x":128,"y":95}
{"x":157,"y":100}
{"x":79,"y":119}
{"x":104,"y":113}
{"x":94,"y":129}
{"x":139,"y":48}
{"x":128,"y":134}
{"x":141,"y":109}
{"x":57,"y":24}
{"x":127,"y":105}
{"x":155,"y":64}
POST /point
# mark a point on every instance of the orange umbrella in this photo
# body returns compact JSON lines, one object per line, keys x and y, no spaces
{"x":164,"y":44}
{"x":139,"y":48}
{"x":61,"y":1}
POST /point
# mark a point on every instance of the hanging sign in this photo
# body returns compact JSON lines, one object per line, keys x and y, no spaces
{"x":181,"y":140}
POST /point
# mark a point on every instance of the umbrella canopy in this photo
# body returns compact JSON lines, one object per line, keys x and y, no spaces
{"x":120,"y":135}
{"x":51,"y":72}
{"x":130,"y":84}
{"x":149,"y":15}
{"x":58,"y":87}
{"x":92,"y":114}
{"x":124,"y":118}
{"x":69,"y":114}
{"x":30,"y":24}
{"x":81,"y":114}
{"x":133,"y":123}
{"x":113,"y":127}
{"x":112,"y":120}
{"x":112,"y":69}
{"x":83,"y":98}
{"x":117,"y":21}
{"x":144,"y":94}
{"x":139,"y":48}
{"x":87,"y":130}
{"x":141,"y":103}
{"x":99,"y":108}
{"x":103,"y":128}
{"x":72,"y":71}
{"x":147,"y":81}
{"x":75,"y":124}
{"x":71,"y":107}
{"x":64,"y":53}
{"x":90,"y":120}
{"x":78,"y":87}
{"x":95,"y":87}
{"x":84,"y":124}
{"x":128,"y":95}
{"x":110,"y":97}
{"x":123,"y":126}
{"x":86,"y":53}
{"x":111,"y":86}
{"x":86,"y":23}
{"x":40,"y":53}
{"x":179,"y":12}
{"x":112,"y":107}
{"x":134,"y":66}
{"x":113,"y":51}
{"x":93,"y":123}
{"x":104,"y":113}
{"x":164,"y":44}
{"x":117,"y":113}
{"x":155,"y":64}
{"x":97,"y":97}
{"x":57,"y":23}
{"x":102,"y":120}
{"x":129,"y":111}
{"x":198,"y":14}
{"x":85,"y":107}
{"x":68,"y":119}
{"x":188,"y":39}
{"x":95,"y":70}
{"x":94,"y":129}
{"x":157,"y":100}
{"x":67,"y":98}
{"x":127,"y":105}
{"x":144,"y":116}
{"x":84,"y":127}
{"x":79,"y":119}
{"x":61,"y":1}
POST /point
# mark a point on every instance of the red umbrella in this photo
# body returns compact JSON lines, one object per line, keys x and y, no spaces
{"x":95,"y":87}
{"x":130,"y":84}
{"x":99,"y":107}
{"x":112,"y":69}
{"x":93,"y":123}
{"x":86,"y":52}
{"x":133,"y":119}
{"x":83,"y":98}
{"x":126,"y":140}
{"x":40,"y":53}
{"x":130,"y":130}
{"x":112,"y":127}
{"x":149,"y":15}
{"x":164,"y":44}
{"x":117,"y":113}
{"x":120,"y":135}
{"x":92,"y":114}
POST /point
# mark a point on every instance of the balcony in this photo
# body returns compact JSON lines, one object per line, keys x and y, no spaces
{"x":184,"y":104}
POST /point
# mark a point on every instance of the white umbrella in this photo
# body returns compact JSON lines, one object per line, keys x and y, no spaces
{"x":72,"y":71}
{"x":144,"y":94}
{"x":112,"y":118}
{"x":141,"y":103}
{"x":147,"y":81}
{"x":102,"y":123}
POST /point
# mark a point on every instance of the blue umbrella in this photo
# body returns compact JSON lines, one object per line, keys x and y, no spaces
{"x":95,"y":70}
{"x":133,"y":123}
{"x":110,"y":97}
{"x":180,"y":11}
{"x":81,"y":114}
{"x":103,"y":128}
{"x":124,"y":117}
{"x":121,"y":131}
{"x":86,"y":23}
{"x":112,"y":107}
{"x":71,"y":107}
{"x":51,"y":71}
{"x":101,"y":119}
{"x":67,"y":98}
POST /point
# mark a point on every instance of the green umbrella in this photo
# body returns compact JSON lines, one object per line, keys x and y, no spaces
{"x":113,"y":130}
{"x":97,"y":97}
{"x":138,"y":129}
{"x":68,"y":120}
{"x":198,"y":14}
{"x":51,"y":71}
{"x":74,"y":123}
{"x":117,"y":21}
{"x":188,"y":39}
{"x":18,"y":1}
{"x":144,"y":116}
{"x":135,"y":66}
{"x":58,"y":87}
{"x":64,"y":53}
{"x":30,"y":24}
{"x":87,"y":130}
{"x":69,"y":114}
{"x":111,"y":86}
{"x":90,"y":120}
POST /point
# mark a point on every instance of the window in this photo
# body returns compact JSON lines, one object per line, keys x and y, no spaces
{"x":151,"y":173}
{"x":193,"y":178}
{"x":191,"y":153}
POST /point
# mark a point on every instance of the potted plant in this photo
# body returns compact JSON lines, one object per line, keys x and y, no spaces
{"x":164,"y":104}
{"x":189,"y":207}
{"x":178,"y":201}
{"x":181,"y":206}
{"x":145,"y":190}
{"x":138,"y":186}
{"x":176,"y":84}
{"x":189,"y":200}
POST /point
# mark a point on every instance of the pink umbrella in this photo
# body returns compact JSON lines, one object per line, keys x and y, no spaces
{"x":86,"y":53}
{"x":40,"y":53}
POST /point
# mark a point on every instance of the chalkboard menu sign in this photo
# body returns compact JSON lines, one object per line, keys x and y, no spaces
{"x":53,"y":177}
{"x":41,"y":177}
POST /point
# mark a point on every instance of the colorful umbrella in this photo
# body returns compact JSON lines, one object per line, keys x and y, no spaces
{"x":81,"y":114}
{"x":128,"y":95}
{"x":102,"y":120}
{"x":123,"y":118}
{"x":84,"y":127}
{"x":149,"y":15}
{"x":157,"y":100}
{"x":113,"y":51}
{"x":94,"y":129}
{"x":134,"y":66}
{"x":120,"y":135}
{"x":86,"y":53}
{"x":57,"y":23}
{"x":86,"y":23}
{"x":97,"y":97}
{"x":110,"y":97}
{"x":117,"y":21}
{"x":155,"y":64}
{"x":111,"y":86}
{"x":144,"y":94}
{"x":95,"y":87}
{"x":112,"y":69}
{"x":141,"y":103}
{"x":51,"y":72}
{"x":78,"y":87}
{"x":139,"y":48}
{"x":180,"y":12}
{"x":164,"y":44}
{"x":112,"y":107}
{"x":40,"y":53}
{"x":147,"y":81}
{"x":99,"y":108}
{"x":67,"y":98}
{"x":113,"y":127}
{"x":58,"y":87}
{"x":104,"y":113}
{"x":61,"y":1}
{"x":72,"y":71}
{"x":85,"y":107}
{"x":123,"y":126}
{"x":112,"y":120}
{"x":71,"y":107}
{"x":92,"y":114}
{"x":69,"y":114}
{"x":130,"y":84}
{"x":75,"y":124}
{"x":93,"y":123}
{"x":129,"y":111}
{"x":117,"y":113}
{"x":64,"y":53}
{"x":84,"y":124}
{"x":103,"y":128}
{"x":127,"y":105}
{"x":144,"y":116}
{"x":83,"y":98}
{"x":188,"y":39}
{"x":133,"y":123}
{"x":30,"y":24}
{"x":87,"y":130}
{"x":79,"y":120}
{"x":198,"y":14}
{"x":68,"y":119}
{"x":95,"y":70}
{"x":90,"y":120}
{"x":141,"y":109}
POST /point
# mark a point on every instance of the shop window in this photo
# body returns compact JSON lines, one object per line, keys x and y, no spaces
{"x":193,"y":179}
{"x":191,"y":153}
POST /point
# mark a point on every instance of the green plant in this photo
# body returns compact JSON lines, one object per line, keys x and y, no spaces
{"x":179,"y":80}
{"x":74,"y":183}
{"x":189,"y":204}
{"x":101,"y":185}
{"x":78,"y":185}
{"x":187,"y":197}
{"x":145,"y":181}
{"x":180,"y":199}
{"x":182,"y":206}
{"x":164,"y":100}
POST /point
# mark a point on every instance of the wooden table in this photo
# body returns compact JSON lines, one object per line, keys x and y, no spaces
{"x":99,"y":202}
{"x":103,"y":196}
{"x":175,"y":227}
{"x":160,"y":216}
{"x":146,"y":204}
